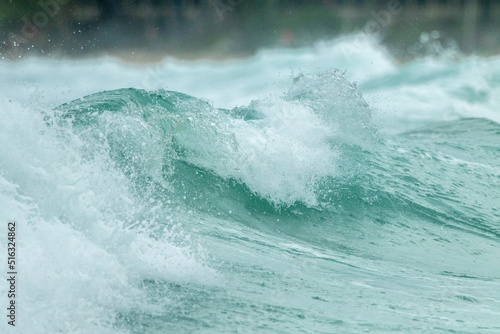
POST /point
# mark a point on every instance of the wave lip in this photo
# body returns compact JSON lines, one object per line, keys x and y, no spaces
{"x":281,"y":148}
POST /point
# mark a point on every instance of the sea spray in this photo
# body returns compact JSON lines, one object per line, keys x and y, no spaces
{"x":315,"y":206}
{"x":84,"y":235}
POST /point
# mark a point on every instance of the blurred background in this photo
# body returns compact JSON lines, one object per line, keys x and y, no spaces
{"x":148,"y":30}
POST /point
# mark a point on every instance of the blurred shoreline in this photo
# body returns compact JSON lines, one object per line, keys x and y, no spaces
{"x":150,"y":31}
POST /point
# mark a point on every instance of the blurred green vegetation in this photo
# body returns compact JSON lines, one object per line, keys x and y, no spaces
{"x":226,"y":28}
{"x":11,"y":12}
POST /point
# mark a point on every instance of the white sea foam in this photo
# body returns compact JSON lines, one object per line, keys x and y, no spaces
{"x":279,"y":157}
{"x":80,"y":259}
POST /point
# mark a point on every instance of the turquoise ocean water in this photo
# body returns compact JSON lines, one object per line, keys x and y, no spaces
{"x":295,"y":191}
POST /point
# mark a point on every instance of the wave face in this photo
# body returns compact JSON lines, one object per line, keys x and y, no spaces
{"x":264,"y":202}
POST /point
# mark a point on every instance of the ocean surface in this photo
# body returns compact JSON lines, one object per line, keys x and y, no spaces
{"x":325,"y":189}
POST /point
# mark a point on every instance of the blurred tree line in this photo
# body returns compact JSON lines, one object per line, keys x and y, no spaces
{"x":196,"y":28}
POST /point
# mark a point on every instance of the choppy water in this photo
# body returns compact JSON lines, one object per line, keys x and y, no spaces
{"x":297,"y":191}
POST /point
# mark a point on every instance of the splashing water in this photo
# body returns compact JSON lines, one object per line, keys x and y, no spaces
{"x":241,"y":197}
